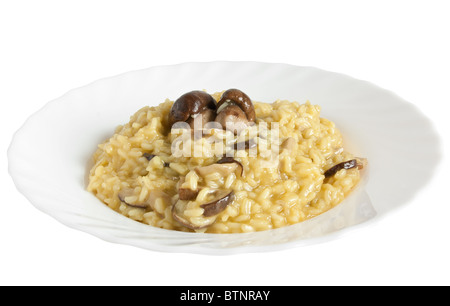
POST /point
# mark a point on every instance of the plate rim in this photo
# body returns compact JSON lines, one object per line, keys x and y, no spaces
{"x":193,"y":248}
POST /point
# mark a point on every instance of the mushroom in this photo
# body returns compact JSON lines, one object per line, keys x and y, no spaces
{"x":232,"y":118}
{"x":235,"y":111}
{"x":149,"y":202}
{"x":127,"y":193}
{"x":186,"y":193}
{"x":349,"y":164}
{"x":229,"y":160}
{"x":240,"y":99}
{"x":198,"y":121}
{"x":193,"y":223}
{"x":190,"y":105}
{"x":224,"y":169}
{"x":220,"y":199}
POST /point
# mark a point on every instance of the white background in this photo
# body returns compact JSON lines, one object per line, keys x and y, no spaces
{"x":50,"y":47}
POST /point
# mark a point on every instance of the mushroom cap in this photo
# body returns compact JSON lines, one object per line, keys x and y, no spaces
{"x":221,"y":200}
{"x":232,"y":118}
{"x":240,"y":99}
{"x":191,"y":103}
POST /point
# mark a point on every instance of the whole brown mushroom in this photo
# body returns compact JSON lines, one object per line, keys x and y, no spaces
{"x":232,"y":118}
{"x":190,"y":105}
{"x":235,"y":111}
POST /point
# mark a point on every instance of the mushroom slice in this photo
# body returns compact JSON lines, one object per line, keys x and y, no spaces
{"x":150,"y":201}
{"x":159,"y":207}
{"x":220,"y":201}
{"x":124,"y":196}
{"x":224,"y":169}
{"x":349,"y":164}
{"x":186,"y":193}
{"x":193,"y":223}
{"x":228,"y":160}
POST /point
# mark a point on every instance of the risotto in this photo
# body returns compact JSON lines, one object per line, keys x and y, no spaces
{"x":222,"y":163}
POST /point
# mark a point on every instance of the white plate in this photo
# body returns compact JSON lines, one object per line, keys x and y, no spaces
{"x":48,"y":157}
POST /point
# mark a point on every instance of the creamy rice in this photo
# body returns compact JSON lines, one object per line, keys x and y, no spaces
{"x":137,"y":165}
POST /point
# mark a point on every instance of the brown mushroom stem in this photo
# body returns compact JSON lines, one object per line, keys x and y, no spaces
{"x":199,"y":121}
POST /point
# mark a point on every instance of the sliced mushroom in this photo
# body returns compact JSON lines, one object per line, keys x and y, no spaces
{"x":186,"y":193}
{"x":224,"y":169}
{"x":127,"y":193}
{"x":219,"y":200}
{"x":191,"y":104}
{"x":153,"y":198}
{"x":193,"y":223}
{"x":349,"y":164}
{"x":149,"y":202}
{"x":228,"y":160}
